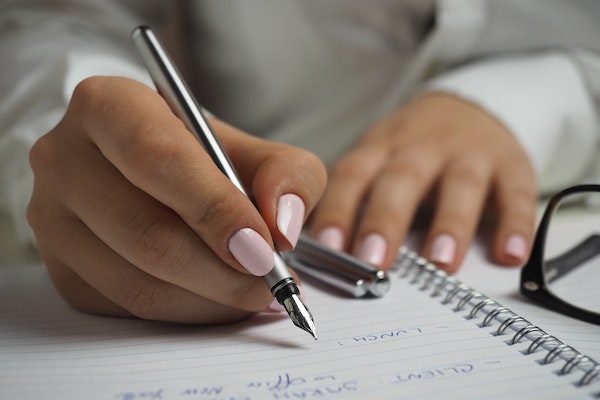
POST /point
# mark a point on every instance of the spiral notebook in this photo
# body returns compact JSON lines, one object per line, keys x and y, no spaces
{"x":431,"y":337}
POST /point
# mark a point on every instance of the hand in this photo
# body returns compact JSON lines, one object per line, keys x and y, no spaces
{"x":437,"y":145}
{"x":132,"y":217}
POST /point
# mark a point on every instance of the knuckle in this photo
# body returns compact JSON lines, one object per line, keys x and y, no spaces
{"x":157,"y":239}
{"x":520,"y":214}
{"x":38,"y":155}
{"x":527,"y":194}
{"x":303,"y":158}
{"x":88,"y":91}
{"x":150,"y":147}
{"x":250,"y":294}
{"x":143,"y":299}
{"x":469,"y":176}
{"x":349,"y":169}
{"x":407,"y":168}
{"x":395,"y":216}
{"x":34,"y":215}
{"x":519,"y":198}
{"x":46,"y":171}
{"x":310,"y":164}
{"x":302,"y":167}
{"x":524,"y":202}
{"x":455,"y":221}
{"x":148,"y":144}
{"x":43,"y":157}
{"x":215,"y":210}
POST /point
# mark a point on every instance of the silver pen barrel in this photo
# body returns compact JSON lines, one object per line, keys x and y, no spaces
{"x":355,"y":286}
{"x":178,"y":96}
{"x":338,"y":269}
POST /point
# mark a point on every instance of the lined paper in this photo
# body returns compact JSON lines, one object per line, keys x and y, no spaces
{"x":405,"y":345}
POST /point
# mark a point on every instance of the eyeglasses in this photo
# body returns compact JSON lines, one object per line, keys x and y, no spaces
{"x":563,"y":270}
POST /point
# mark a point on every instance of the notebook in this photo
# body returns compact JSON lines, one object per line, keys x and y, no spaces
{"x":431,"y":336}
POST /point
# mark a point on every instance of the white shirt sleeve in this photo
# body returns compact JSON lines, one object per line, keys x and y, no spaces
{"x":543,"y":100}
{"x":40,"y":68}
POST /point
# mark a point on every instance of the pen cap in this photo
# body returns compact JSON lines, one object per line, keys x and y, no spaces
{"x":341,"y":266}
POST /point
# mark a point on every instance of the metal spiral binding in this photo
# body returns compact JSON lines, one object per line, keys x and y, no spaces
{"x":507,"y":323}
{"x":419,"y":271}
{"x":524,"y":332}
{"x":542,"y":339}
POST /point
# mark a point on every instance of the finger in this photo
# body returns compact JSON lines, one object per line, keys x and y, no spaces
{"x":134,"y":129}
{"x":141,"y":231}
{"x":285,"y":182}
{"x":162,"y":303}
{"x":462,"y":193}
{"x":516,"y":197}
{"x":395,"y":195}
{"x":349,"y":181}
{"x":77,"y":292}
{"x":119,"y":288}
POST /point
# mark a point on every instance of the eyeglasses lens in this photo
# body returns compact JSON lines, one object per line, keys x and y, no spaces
{"x":572,"y":251}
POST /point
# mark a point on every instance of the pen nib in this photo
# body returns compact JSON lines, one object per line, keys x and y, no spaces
{"x":299,"y":314}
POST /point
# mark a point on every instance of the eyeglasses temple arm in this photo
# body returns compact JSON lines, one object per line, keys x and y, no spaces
{"x":561,"y":265}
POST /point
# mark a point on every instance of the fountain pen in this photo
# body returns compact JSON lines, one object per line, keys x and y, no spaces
{"x":173,"y":89}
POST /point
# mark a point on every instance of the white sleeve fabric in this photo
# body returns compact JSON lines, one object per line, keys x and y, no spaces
{"x":543,"y":100}
{"x":36,"y":109}
{"x":43,"y":59}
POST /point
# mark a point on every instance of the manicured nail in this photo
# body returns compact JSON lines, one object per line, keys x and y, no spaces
{"x":443,"y":250}
{"x":290,"y":217}
{"x":332,"y":237}
{"x":516,"y":246}
{"x":372,"y":249}
{"x":252,"y":251}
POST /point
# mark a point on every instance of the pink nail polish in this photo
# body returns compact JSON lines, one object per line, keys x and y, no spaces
{"x":332,"y":237}
{"x":372,"y":249}
{"x":516,"y":247}
{"x":252,"y":251}
{"x":443,"y":250}
{"x":290,"y":217}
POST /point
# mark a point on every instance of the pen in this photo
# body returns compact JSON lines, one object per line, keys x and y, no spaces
{"x":322,"y":273}
{"x":172,"y":88}
{"x":337,"y":269}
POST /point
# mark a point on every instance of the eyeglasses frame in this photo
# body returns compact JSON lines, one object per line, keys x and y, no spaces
{"x":532,"y":284}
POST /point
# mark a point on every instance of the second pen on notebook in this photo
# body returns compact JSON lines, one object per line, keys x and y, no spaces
{"x":337,"y":269}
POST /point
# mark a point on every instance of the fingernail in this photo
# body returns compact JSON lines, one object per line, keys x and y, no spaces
{"x":372,"y":249}
{"x":443,"y":250}
{"x":290,"y":217}
{"x":516,"y":246}
{"x":252,"y":251}
{"x":332,"y":237}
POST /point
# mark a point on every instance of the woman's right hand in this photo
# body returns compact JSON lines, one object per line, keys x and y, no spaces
{"x":133,"y":218}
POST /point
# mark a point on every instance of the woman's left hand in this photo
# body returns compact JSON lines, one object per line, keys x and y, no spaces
{"x":439,"y":145}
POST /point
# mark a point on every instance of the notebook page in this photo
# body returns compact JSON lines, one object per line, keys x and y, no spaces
{"x":405,"y":344}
